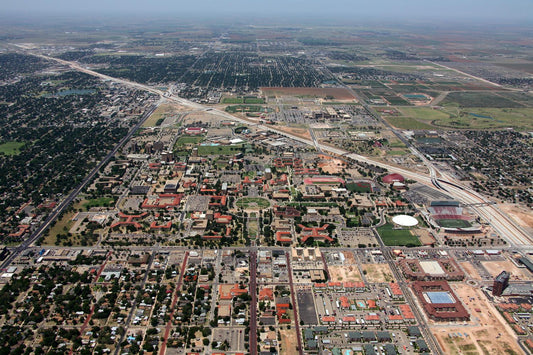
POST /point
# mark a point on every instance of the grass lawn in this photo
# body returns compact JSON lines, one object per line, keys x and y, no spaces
{"x":233,"y":100}
{"x":62,"y":226}
{"x":11,"y":148}
{"x":359,"y":187}
{"x":400,"y":237}
{"x":219,"y":149}
{"x":408,"y":123}
{"x":99,"y":202}
{"x":478,"y":99}
{"x":184,"y":140}
{"x":252,"y":202}
{"x":423,"y":113}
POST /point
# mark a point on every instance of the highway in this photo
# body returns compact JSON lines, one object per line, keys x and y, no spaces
{"x":505,"y":226}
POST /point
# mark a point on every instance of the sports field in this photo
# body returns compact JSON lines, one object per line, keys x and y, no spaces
{"x":359,"y":187}
{"x":453,"y":223}
{"x":188,"y":140}
{"x":393,"y":237}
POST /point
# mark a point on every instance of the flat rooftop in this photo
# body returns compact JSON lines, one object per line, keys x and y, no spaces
{"x":439,"y":297}
{"x":432,"y":268}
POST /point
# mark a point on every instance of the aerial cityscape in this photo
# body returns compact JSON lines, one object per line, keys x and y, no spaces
{"x":266,"y":185}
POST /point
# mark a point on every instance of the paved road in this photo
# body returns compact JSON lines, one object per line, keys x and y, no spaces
{"x":66,"y":202}
{"x":253,"y":303}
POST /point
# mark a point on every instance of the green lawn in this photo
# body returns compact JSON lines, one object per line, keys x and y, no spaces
{"x":188,"y":140}
{"x":99,"y":202}
{"x":11,"y":148}
{"x":359,"y":187}
{"x":397,"y":237}
{"x":219,"y":149}
{"x":252,"y":202}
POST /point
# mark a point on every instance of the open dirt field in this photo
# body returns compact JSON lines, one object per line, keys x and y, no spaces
{"x":348,"y":273}
{"x":336,"y":93}
{"x":424,"y":236}
{"x":300,"y":132}
{"x":470,"y":271}
{"x":378,"y":272}
{"x":495,"y":267}
{"x":163,"y":111}
{"x":349,"y":258}
{"x":330,"y":165}
{"x":487,"y":331}
{"x":288,"y":341}
{"x":522,"y":215}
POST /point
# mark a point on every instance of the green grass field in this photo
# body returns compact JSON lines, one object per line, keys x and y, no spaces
{"x":243,"y":100}
{"x":11,"y":148}
{"x":359,"y":187}
{"x":453,"y":223}
{"x":99,"y":202}
{"x":188,"y":140}
{"x":394,"y":237}
{"x":247,"y":108}
{"x":252,"y":202}
{"x":219,"y":149}
{"x":463,"y":118}
{"x":479,"y":99}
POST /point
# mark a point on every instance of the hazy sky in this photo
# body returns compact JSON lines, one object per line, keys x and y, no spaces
{"x":504,"y":10}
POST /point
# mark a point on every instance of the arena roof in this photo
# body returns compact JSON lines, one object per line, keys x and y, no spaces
{"x":389,"y":179}
{"x":405,"y":220}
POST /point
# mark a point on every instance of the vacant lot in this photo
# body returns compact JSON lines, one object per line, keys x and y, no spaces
{"x":289,"y":343}
{"x":377,"y":273}
{"x":393,"y":237}
{"x":495,"y":267}
{"x":486,"y":332}
{"x":344,"y":273}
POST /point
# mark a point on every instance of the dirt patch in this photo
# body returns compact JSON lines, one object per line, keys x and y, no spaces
{"x":345,"y":273}
{"x":335,"y":93}
{"x":289,"y":344}
{"x":424,"y":236}
{"x":300,"y":132}
{"x":331,"y":165}
{"x":470,"y":270}
{"x":522,"y":215}
{"x":378,"y":273}
{"x":349,"y":258}
{"x":486,"y":332}
{"x":517,"y":274}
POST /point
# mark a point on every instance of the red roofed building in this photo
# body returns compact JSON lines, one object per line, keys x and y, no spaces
{"x":233,"y":292}
{"x":371,"y":304}
{"x":406,"y":311}
{"x":396,"y":291}
{"x":349,"y":319}
{"x":328,"y":319}
{"x":395,"y":318}
{"x":283,"y":237}
{"x":167,"y":225}
{"x":163,"y":201}
{"x":222,"y":219}
{"x":129,"y":220}
{"x":372,"y":318}
{"x":266,"y":294}
{"x":345,"y":303}
{"x":23,"y":228}
{"x":391,"y":178}
{"x":315,"y":233}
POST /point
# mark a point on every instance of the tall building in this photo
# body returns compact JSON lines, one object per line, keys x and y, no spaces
{"x":500,"y":283}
